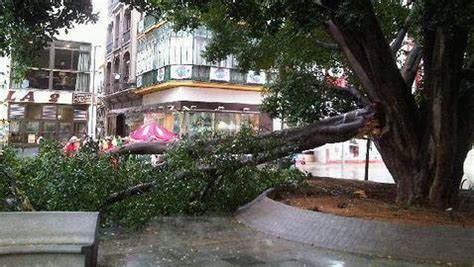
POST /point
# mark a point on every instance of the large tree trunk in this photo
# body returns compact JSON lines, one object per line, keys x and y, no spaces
{"x":423,"y":147}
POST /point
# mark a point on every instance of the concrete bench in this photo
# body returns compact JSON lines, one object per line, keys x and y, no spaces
{"x":48,"y":238}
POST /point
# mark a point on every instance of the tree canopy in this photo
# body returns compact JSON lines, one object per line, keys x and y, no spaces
{"x":381,"y":46}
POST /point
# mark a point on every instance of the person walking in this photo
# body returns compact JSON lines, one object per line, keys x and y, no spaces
{"x":71,"y":147}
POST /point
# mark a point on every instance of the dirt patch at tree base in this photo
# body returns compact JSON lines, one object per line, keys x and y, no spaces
{"x":367,"y":200}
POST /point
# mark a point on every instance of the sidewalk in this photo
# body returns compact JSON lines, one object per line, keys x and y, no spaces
{"x":356,"y":171}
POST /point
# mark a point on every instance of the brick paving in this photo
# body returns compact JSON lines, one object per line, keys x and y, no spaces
{"x":371,"y":237}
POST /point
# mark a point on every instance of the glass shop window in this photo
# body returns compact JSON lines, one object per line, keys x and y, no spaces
{"x":226,"y":122}
{"x":34,"y":112}
{"x":65,"y":113}
{"x":199,"y":122}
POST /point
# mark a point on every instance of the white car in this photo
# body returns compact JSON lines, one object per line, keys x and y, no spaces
{"x":468,"y":179}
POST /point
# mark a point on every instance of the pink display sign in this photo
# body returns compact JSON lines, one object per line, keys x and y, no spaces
{"x":153,"y":132}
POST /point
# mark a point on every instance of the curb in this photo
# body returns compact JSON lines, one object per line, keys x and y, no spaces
{"x":362,"y":236}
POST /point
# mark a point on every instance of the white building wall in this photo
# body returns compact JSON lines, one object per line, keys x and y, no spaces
{"x":184,"y":93}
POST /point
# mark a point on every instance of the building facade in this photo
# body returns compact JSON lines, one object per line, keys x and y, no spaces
{"x":120,"y":64}
{"x":184,"y":92}
{"x":53,"y":99}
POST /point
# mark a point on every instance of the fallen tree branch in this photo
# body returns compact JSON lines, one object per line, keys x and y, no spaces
{"x":141,"y":148}
{"x":335,"y":129}
{"x":309,"y":132}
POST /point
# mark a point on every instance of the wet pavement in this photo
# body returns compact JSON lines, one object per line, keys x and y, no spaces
{"x":377,"y":171}
{"x":218,"y":241}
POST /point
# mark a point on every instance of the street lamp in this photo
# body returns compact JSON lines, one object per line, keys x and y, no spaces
{"x":94,"y":95}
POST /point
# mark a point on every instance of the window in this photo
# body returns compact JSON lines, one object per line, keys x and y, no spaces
{"x":63,"y":59}
{"x":64,"y":81}
{"x":42,"y":61}
{"x":128,"y":21}
{"x":198,"y":122}
{"x":80,"y":114}
{"x":201,"y":73}
{"x":34,"y":112}
{"x":354,"y":150}
{"x":250,"y":121}
{"x":15,"y":135}
{"x":49,"y":127}
{"x":38,"y":79}
{"x":49,"y":112}
{"x":32,"y":126}
{"x":65,"y":113}
{"x":17,"y":111}
{"x":65,"y":127}
{"x":226,"y":122}
{"x":80,"y":129}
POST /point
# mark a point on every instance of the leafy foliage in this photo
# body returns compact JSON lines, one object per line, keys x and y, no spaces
{"x":302,"y":97}
{"x":83,"y":182}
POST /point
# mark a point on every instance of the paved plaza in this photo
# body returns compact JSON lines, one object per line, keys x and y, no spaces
{"x":218,"y":241}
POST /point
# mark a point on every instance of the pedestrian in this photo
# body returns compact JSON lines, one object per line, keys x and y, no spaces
{"x":71,"y":147}
{"x":108,"y":144}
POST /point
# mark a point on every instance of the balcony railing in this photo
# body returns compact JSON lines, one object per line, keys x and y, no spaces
{"x":112,"y":5}
{"x":149,"y":21}
{"x":126,"y":36}
{"x":110,"y":47}
{"x":199,"y":73}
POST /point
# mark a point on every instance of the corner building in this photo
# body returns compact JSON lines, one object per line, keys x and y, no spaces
{"x":187,"y":94}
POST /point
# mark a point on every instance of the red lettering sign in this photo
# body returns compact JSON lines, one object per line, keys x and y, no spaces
{"x":54,"y":98}
{"x":30,"y":97}
{"x":10,"y":96}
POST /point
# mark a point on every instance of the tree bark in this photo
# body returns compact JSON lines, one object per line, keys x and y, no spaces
{"x":422,"y":146}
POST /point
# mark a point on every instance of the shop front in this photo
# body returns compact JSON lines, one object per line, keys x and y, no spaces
{"x":190,"y":123}
{"x":49,"y":114}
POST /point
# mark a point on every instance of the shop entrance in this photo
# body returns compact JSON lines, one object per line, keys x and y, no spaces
{"x":120,"y":126}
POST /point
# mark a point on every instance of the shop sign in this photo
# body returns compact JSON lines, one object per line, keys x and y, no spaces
{"x":220,"y":74}
{"x":181,"y":72}
{"x":253,"y":77}
{"x":82,"y":98}
{"x":35,"y":96}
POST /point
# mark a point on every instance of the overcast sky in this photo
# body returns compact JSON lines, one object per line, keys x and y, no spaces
{"x":92,"y":33}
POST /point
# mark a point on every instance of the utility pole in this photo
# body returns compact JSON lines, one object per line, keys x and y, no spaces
{"x":367,"y":157}
{"x":94,"y":96}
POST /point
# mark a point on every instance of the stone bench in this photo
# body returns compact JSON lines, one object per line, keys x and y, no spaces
{"x":48,"y":238}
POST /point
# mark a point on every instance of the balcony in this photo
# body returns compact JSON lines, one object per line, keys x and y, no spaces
{"x":199,"y":73}
{"x":126,"y":36}
{"x":116,"y":43}
{"x":147,"y":22}
{"x":113,"y":4}
{"x":109,"y":47}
